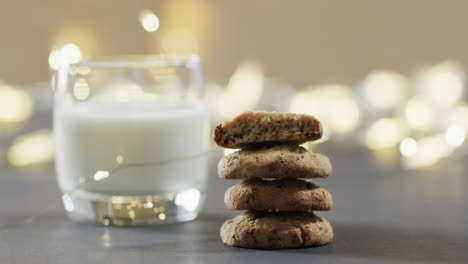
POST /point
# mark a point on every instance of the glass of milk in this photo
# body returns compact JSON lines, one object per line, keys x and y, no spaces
{"x":132,"y":137}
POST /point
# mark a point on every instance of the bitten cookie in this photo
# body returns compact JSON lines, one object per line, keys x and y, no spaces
{"x":260,"y":128}
{"x":280,"y":195}
{"x":282,"y":161}
{"x":276,"y":230}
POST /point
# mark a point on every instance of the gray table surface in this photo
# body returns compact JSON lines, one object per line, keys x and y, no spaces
{"x":381,"y":215}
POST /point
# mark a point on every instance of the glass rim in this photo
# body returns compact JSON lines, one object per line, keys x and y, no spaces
{"x":136,"y":61}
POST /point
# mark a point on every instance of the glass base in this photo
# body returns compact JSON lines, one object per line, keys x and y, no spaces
{"x":121,"y":210}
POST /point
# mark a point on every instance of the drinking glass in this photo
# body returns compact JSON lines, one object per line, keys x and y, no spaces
{"x":132,"y":136}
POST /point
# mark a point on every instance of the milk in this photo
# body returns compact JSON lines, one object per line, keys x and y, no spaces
{"x":131,"y":148}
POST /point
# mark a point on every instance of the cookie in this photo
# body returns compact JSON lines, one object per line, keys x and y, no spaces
{"x":268,"y":230}
{"x":281,"y":161}
{"x":278,"y":195}
{"x":261,"y":128}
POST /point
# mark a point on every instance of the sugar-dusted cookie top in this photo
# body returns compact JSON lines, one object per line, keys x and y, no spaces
{"x":263,"y":128}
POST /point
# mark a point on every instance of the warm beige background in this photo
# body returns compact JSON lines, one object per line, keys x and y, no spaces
{"x":301,"y":41}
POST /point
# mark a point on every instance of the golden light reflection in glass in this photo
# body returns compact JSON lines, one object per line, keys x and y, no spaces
{"x":101,"y":175}
{"x":119,"y":159}
{"x":124,"y":210}
{"x":68,"y":203}
{"x":117,"y":199}
{"x":68,"y":53}
{"x":106,"y":222}
{"x":81,"y":89}
{"x":162,"y":216}
{"x":170,"y":197}
{"x":131,"y":214}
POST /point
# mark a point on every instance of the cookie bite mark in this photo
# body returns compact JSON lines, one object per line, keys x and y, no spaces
{"x":252,"y":129}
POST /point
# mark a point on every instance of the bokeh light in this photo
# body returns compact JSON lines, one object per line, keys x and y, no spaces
{"x":455,"y":136}
{"x":15,"y":105}
{"x":162,"y":216}
{"x":33,"y":148}
{"x":385,"y":133}
{"x":344,"y":115}
{"x":442,"y":84}
{"x":419,"y":114}
{"x":149,"y":21}
{"x":333,"y":104}
{"x":459,"y":116}
{"x":408,"y":147}
{"x":430,"y":150}
{"x":244,"y":89}
{"x":385,"y":89}
{"x":68,"y":53}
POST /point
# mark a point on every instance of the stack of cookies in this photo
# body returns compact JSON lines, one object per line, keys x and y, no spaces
{"x":272,"y":165}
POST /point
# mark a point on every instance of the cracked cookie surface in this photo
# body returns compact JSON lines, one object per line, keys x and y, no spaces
{"x":260,"y":128}
{"x":278,"y":195}
{"x":268,"y":230}
{"x":281,"y":161}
